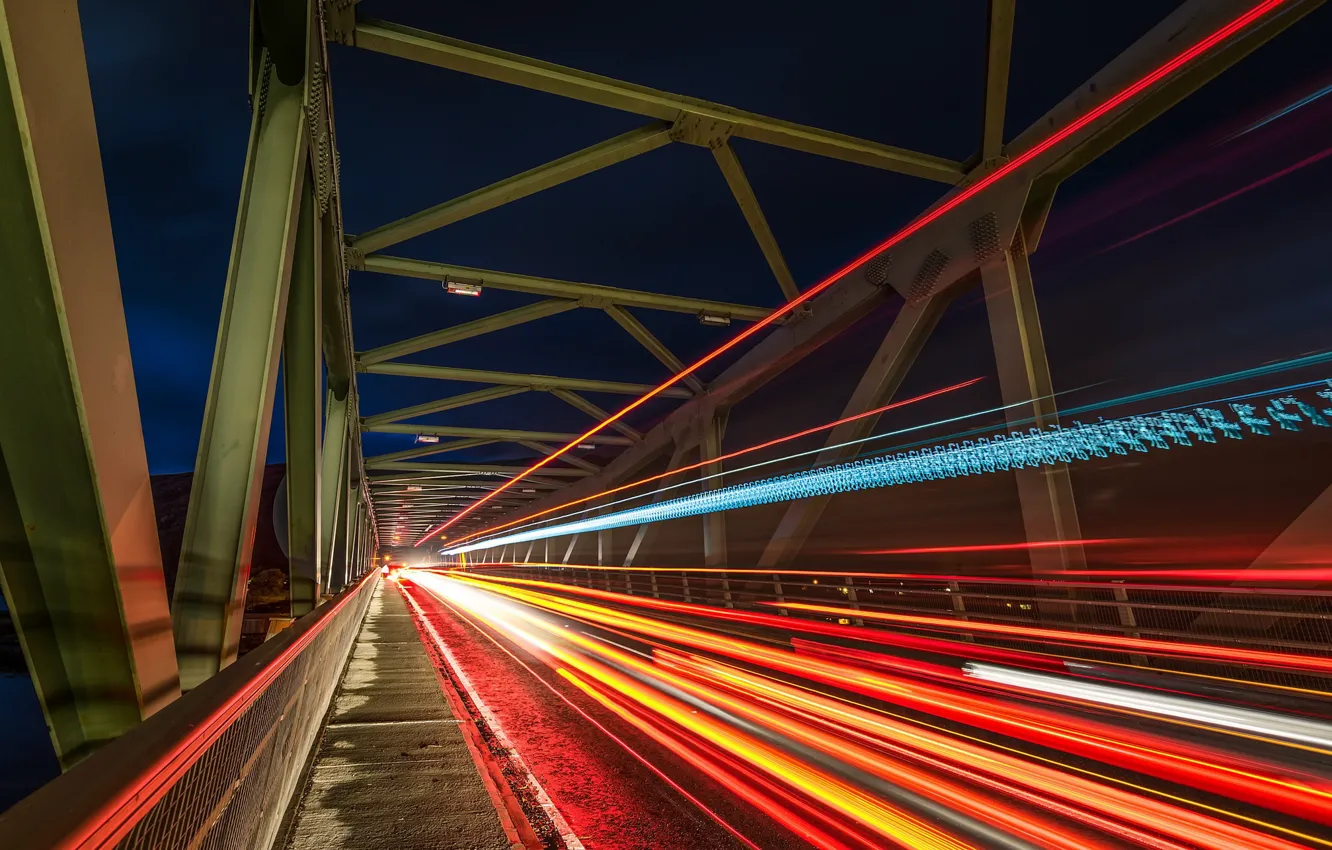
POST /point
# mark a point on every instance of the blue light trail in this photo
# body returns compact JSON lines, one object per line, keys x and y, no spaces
{"x":1016,"y":450}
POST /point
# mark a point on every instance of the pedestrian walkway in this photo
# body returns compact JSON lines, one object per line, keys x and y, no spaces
{"x":393,"y":769}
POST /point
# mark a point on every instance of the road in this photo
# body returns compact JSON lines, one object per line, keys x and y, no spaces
{"x":645,"y":723}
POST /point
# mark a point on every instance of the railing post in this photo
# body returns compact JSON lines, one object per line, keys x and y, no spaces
{"x":79,"y":557}
{"x":224,"y":498}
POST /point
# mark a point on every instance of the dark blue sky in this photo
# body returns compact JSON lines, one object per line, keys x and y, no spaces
{"x":1245,"y":281}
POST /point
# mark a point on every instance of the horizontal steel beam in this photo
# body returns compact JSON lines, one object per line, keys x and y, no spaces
{"x":531,"y":382}
{"x":591,"y":294}
{"x":387,"y":482}
{"x":443,"y":52}
{"x":530,"y":182}
{"x":480,"y":469}
{"x":507,"y":434}
{"x":439,"y":405}
{"x":467,"y":330}
{"x":374,"y":461}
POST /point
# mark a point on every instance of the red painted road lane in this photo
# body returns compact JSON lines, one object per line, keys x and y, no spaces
{"x":608,"y":798}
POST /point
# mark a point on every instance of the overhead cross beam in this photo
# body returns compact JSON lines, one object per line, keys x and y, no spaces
{"x":371,"y":423}
{"x":467,"y":330}
{"x":592,"y":295}
{"x":492,"y":433}
{"x":530,"y":182}
{"x":374,"y":461}
{"x":567,"y":457}
{"x":999,"y":48}
{"x":532,"y":382}
{"x":480,"y":469}
{"x":454,"y":54}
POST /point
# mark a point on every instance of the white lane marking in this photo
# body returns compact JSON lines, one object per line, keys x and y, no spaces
{"x":561,"y":825}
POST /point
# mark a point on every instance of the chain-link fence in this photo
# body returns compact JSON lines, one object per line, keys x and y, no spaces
{"x":217,"y":768}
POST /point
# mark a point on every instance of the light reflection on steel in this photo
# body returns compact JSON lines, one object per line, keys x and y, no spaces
{"x":781,"y":727}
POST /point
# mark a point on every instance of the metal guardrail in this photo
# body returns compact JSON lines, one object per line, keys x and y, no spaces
{"x":215,"y":769}
{"x":1292,"y":620}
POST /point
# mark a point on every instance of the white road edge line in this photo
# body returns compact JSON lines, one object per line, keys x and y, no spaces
{"x":567,"y":835}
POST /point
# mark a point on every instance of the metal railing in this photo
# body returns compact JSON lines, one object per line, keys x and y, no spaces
{"x":215,"y":769}
{"x":1289,"y":620}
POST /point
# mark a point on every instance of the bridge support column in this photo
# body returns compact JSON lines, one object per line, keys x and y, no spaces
{"x":224,"y":499}
{"x":1049,"y":511}
{"x":890,"y":364}
{"x":79,"y":556}
{"x":644,"y":534}
{"x":303,"y":378}
{"x":333,"y":488}
{"x":714,"y":524}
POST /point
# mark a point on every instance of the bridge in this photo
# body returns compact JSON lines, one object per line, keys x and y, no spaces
{"x":688,"y":619}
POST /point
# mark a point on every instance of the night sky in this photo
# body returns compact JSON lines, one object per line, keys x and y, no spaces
{"x":1240,"y":283}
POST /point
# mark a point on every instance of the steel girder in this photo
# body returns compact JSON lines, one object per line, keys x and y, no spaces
{"x":531,"y":382}
{"x":591,"y":294}
{"x":491,"y":433}
{"x":474,"y":59}
{"x":959,"y":236}
{"x":80,"y":562}
{"x":224,"y":497}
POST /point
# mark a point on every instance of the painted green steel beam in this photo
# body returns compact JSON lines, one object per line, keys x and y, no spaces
{"x":80,"y":563}
{"x":376,"y":461}
{"x":655,"y":347}
{"x":573,"y":399}
{"x":388,"y":482}
{"x":999,"y":50}
{"x":480,"y":469}
{"x":441,"y":51}
{"x":302,"y":385}
{"x":567,"y":457}
{"x":332,"y":485}
{"x":509,"y":434}
{"x":729,"y":164}
{"x":373,"y":423}
{"x":530,"y":182}
{"x":591,"y":294}
{"x":337,"y":328}
{"x":467,"y":330}
{"x":531,"y":382}
{"x":209,"y":597}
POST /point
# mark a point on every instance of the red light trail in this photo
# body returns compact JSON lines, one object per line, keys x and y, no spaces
{"x":782,"y":729}
{"x":737,"y":453}
{"x":993,"y":547}
{"x":943,"y":207}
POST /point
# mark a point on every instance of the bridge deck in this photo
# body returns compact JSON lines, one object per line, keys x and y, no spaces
{"x":392,"y":768}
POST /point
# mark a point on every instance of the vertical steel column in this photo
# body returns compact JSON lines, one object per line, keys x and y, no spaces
{"x":80,"y":562}
{"x":228,"y":474}
{"x":1046,"y":494}
{"x":714,"y":524}
{"x":332,"y":472}
{"x":644,"y":534}
{"x":1048,"y":510}
{"x":302,"y":385}
{"x":877,"y":385}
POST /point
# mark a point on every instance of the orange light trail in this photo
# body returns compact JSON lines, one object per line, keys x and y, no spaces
{"x":699,"y":465}
{"x":1027,"y":797}
{"x":1194,"y":765}
{"x":944,"y":206}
